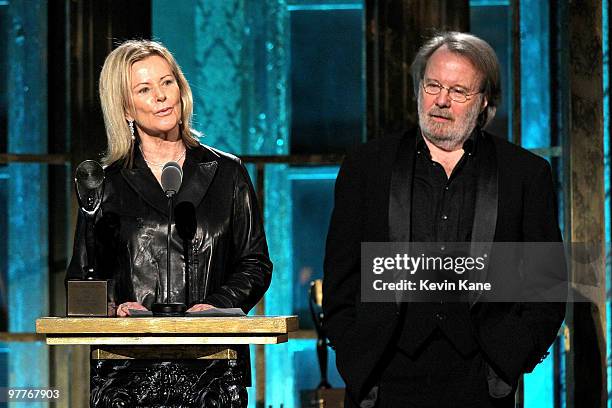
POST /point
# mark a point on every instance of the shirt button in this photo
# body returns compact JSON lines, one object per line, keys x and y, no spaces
{"x":445,"y":217}
{"x":446,"y":188}
{"x":440,"y":316}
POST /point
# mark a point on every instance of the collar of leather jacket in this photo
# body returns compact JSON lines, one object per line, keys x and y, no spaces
{"x":199,"y":170}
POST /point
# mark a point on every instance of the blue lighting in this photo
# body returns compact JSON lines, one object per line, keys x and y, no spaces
{"x":535,"y":74}
{"x":485,"y":3}
{"x":325,"y":7}
{"x":535,"y":133}
{"x":27,"y":235}
{"x":314,"y":173}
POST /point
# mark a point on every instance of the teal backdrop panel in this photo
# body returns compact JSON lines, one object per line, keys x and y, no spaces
{"x":27,"y":198}
{"x":535,"y":74}
{"x":535,"y":133}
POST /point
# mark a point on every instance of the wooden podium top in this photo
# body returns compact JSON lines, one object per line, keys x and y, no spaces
{"x":166,"y":330}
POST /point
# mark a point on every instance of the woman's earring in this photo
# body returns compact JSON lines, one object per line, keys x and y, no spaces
{"x":131,"y":125}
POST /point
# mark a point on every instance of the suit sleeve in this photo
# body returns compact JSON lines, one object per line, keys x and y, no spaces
{"x":342,"y":254}
{"x":251,"y":268}
{"x":519,"y":341}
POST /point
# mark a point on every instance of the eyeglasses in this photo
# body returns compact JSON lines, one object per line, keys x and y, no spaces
{"x":455,"y":94}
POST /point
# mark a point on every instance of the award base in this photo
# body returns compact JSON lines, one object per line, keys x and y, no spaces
{"x":168,"y":309}
{"x":88,"y":298}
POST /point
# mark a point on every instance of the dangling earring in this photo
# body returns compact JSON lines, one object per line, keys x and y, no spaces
{"x":131,"y":125}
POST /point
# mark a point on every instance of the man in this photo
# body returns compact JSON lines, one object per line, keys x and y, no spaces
{"x":447,"y":181}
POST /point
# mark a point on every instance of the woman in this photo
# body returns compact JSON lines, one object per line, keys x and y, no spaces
{"x":218,"y":247}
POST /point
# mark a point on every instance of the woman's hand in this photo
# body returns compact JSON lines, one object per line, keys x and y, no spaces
{"x":200,"y":307}
{"x":124,"y":309}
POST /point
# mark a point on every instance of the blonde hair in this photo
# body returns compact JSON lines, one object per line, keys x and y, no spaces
{"x":116,"y":97}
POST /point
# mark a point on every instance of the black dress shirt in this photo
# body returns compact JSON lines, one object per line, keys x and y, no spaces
{"x":443,"y":207}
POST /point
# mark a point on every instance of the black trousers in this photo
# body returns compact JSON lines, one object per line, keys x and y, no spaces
{"x":438,"y":376}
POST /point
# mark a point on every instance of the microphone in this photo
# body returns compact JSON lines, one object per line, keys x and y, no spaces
{"x":171,"y":178}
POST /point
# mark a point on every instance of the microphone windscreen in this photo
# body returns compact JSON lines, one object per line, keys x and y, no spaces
{"x":171,"y":178}
{"x":185,"y":220}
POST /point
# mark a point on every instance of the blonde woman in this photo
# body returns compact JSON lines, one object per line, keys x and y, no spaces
{"x":218,"y":246}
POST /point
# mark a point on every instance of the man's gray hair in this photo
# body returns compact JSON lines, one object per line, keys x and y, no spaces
{"x":478,"y":51}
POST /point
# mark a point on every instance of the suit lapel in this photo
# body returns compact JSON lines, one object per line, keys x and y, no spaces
{"x":400,"y":193}
{"x":400,"y":199}
{"x":485,"y":213}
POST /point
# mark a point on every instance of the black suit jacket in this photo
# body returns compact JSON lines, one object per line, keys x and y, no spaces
{"x":515,"y":202}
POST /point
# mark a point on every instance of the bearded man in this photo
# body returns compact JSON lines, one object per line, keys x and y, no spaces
{"x":446,"y":181}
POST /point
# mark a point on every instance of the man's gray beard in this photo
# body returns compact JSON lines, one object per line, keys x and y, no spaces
{"x":449,"y":139}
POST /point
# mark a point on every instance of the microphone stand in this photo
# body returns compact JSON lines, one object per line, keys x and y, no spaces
{"x":168,"y":309}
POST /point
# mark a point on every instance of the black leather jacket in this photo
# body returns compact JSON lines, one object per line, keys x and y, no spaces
{"x":219,"y":253}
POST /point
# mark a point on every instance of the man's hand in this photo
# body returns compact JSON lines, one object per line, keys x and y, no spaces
{"x":200,"y":307}
{"x":124,"y":309}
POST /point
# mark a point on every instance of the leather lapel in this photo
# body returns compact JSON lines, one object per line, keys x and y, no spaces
{"x":142,"y":180}
{"x":196,"y":179}
{"x":400,"y":193}
{"x":485,"y":213}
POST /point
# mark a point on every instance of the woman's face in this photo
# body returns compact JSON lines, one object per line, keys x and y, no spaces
{"x":156,"y":97}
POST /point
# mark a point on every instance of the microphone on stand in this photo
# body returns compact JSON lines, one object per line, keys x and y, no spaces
{"x":186,"y":225}
{"x":171,"y":179}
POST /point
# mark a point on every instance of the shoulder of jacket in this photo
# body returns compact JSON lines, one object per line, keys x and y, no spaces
{"x":211,"y":153}
{"x":113,"y":168}
{"x":372,"y":148}
{"x":515,"y":152}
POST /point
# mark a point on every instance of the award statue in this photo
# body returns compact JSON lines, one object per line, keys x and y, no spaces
{"x":89,"y":295}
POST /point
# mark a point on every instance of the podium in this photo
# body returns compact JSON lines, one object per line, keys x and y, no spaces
{"x":169,"y":361}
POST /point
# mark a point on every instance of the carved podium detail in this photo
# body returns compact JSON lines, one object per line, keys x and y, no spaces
{"x":181,"y":383}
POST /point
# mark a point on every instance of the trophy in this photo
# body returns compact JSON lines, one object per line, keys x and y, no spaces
{"x":315,"y":301}
{"x":88,"y":296}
